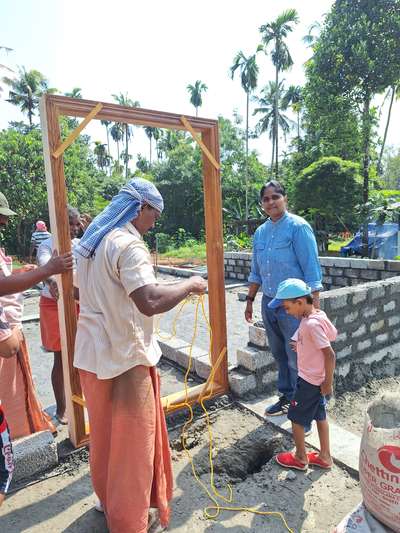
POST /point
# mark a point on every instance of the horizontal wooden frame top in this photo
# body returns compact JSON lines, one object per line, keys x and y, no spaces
{"x":77,"y":107}
{"x":51,"y":108}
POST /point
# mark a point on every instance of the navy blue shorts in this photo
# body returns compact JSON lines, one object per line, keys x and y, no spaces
{"x":6,"y":455}
{"x":308,"y":404}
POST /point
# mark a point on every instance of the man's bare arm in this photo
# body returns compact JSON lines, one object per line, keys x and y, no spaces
{"x":21,"y":282}
{"x":154,"y":299}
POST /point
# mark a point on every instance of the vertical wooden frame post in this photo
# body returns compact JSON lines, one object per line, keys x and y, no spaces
{"x":57,"y":200}
{"x":51,"y":107}
{"x":215,"y":252}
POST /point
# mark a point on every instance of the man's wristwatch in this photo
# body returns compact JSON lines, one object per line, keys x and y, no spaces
{"x":250,"y":298}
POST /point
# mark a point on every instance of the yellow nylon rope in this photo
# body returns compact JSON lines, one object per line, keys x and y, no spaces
{"x":211,"y":511}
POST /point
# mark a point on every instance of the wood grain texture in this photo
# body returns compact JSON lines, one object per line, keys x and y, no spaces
{"x":57,"y":200}
{"x":51,"y":107}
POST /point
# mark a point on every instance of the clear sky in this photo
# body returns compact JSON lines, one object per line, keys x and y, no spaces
{"x":151,"y":50}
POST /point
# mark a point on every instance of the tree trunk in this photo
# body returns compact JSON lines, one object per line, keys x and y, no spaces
{"x":273,"y":150}
{"x":150,"y":152}
{"x":246,"y":169}
{"x":298,"y":127}
{"x":126,"y":150}
{"x":386,"y":129}
{"x":108,"y":150}
{"x":366,"y":132}
{"x":276,"y":119}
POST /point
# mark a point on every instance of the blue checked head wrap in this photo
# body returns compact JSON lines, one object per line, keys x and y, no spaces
{"x":125,"y":206}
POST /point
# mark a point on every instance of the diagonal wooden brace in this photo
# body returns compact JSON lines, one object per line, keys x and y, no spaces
{"x":74,"y":134}
{"x":203,"y":147}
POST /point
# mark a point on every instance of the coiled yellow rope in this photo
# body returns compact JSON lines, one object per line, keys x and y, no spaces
{"x":211,"y":511}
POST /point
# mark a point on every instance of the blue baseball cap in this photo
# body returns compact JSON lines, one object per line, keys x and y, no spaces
{"x":287,"y":289}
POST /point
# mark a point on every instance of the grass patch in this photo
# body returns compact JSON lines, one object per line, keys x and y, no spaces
{"x":187,"y":253}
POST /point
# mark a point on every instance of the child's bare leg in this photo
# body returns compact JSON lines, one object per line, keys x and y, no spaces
{"x":2,"y":496}
{"x":298,"y":435}
{"x":323,"y":433}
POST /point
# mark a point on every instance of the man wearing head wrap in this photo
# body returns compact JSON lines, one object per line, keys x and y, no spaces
{"x":38,"y":236}
{"x":116,"y":354}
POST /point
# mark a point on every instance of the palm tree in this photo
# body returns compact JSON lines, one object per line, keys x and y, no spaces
{"x":195,"y":94}
{"x":293,"y":98}
{"x":26,"y":90}
{"x":152,"y":133}
{"x":394,"y":94}
{"x":266,"y":107}
{"x":106,"y":124}
{"x":75,"y":93}
{"x":103,"y":159}
{"x":276,"y":32}
{"x":313,"y":33}
{"x":248,"y":77}
{"x":123,"y":99}
{"x":117,"y":134}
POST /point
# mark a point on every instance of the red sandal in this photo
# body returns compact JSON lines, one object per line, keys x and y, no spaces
{"x":315,"y":460}
{"x":289,"y":460}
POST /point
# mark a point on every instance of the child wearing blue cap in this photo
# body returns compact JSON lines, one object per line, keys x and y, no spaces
{"x":316,"y":364}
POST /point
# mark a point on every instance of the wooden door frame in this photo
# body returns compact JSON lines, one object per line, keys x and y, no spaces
{"x":51,"y":108}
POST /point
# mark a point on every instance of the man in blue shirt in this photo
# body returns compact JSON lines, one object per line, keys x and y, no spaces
{"x":283,"y":247}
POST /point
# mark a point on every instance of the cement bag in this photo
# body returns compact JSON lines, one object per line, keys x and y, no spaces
{"x":379,"y":464}
{"x":360,"y":521}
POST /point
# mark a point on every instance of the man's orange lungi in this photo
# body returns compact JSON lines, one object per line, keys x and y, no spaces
{"x":130,"y":460}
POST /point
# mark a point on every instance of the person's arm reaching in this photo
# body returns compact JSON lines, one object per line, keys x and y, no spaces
{"x":21,"y":282}
{"x":153,"y":299}
{"x":330,"y":363}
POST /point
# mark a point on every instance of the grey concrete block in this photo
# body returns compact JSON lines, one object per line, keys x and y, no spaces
{"x":270,"y":379}
{"x":359,"y":331}
{"x":370,"y":275}
{"x":327,"y":261}
{"x":364,"y":345}
{"x":350,"y":317}
{"x":389,"y":275}
{"x":390,"y":306}
{"x":393,"y":321}
{"x":382,"y":338}
{"x":359,"y":296}
{"x":327,"y":280}
{"x":338,"y":302}
{"x":184,"y":355}
{"x":359,"y":263}
{"x":344,"y":352}
{"x":336,"y":271}
{"x":395,"y":287}
{"x":241,"y":276}
{"x":241,"y":383}
{"x":352,"y":273}
{"x":377,"y":292}
{"x":242,"y":296}
{"x":377,"y":326}
{"x":257,"y":336}
{"x":170,"y":347}
{"x":33,"y":454}
{"x":367,"y":312}
{"x":341,"y":337}
{"x":376,"y":264}
{"x":393,"y":266}
{"x":253,"y":359}
{"x":202,"y":366}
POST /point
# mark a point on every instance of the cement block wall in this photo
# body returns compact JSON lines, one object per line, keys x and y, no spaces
{"x":336,"y":271}
{"x":367,"y":317}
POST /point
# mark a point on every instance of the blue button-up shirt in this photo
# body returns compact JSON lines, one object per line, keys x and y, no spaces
{"x":285,"y":249}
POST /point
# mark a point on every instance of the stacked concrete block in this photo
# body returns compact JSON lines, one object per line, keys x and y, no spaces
{"x":337,"y":272}
{"x":34,"y":454}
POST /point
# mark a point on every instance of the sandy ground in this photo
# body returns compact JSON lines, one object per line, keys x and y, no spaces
{"x":311,"y":502}
{"x":315,"y":501}
{"x":348,"y":409}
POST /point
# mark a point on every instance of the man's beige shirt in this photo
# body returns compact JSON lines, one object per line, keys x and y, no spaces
{"x":113,"y":335}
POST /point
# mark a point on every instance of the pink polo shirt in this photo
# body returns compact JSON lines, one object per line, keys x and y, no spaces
{"x":315,"y":332}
